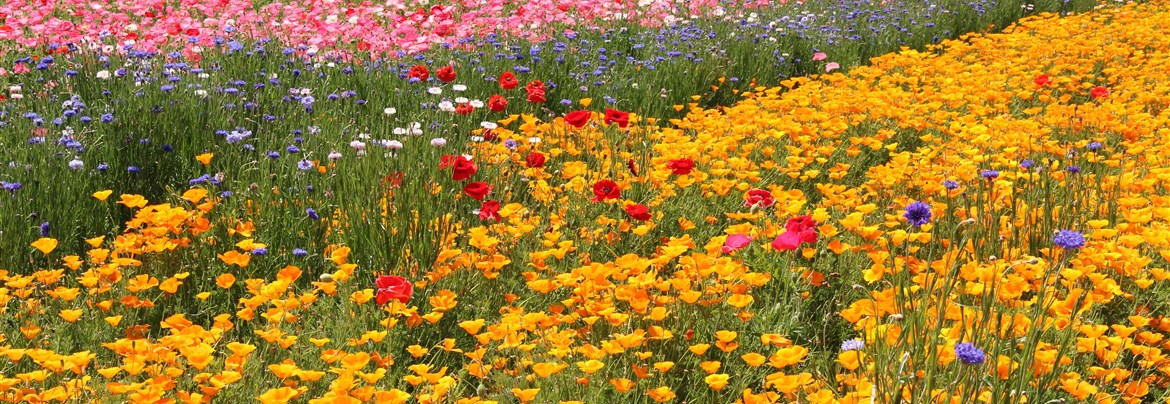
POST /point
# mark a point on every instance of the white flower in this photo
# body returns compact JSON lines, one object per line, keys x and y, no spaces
{"x":475,"y":103}
{"x":306,"y":91}
{"x":394,"y":145}
{"x":390,"y":111}
{"x":435,"y":90}
{"x":476,"y":139}
{"x":438,"y":142}
{"x":334,"y":155}
{"x":460,"y":100}
{"x":400,"y":131}
{"x":14,"y":89}
{"x":76,"y":164}
{"x":17,"y":96}
{"x":357,"y":144}
{"x":363,"y":136}
{"x":459,"y":87}
{"x":204,"y":75}
{"x":446,"y":106}
{"x":488,"y":125}
{"x":534,"y":140}
{"x":132,"y":27}
{"x":104,"y":75}
{"x":416,"y":132}
{"x":201,"y":93}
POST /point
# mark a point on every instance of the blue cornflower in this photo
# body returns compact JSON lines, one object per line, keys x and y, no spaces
{"x":989,"y":174}
{"x":259,"y":251}
{"x":299,"y":252}
{"x":312,"y":214}
{"x":969,"y":353}
{"x":1094,"y":146}
{"x":1074,"y":169}
{"x":917,"y":213}
{"x":45,"y":229}
{"x":950,"y":185}
{"x":1069,"y":240}
{"x":855,"y":344}
{"x":305,"y":165}
{"x":1027,"y":164}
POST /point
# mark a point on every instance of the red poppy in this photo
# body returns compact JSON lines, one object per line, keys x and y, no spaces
{"x":490,"y":135}
{"x":1099,"y":92}
{"x":759,"y":198}
{"x":632,"y":167}
{"x":638,"y":211}
{"x":192,"y":32}
{"x":535,"y":91}
{"x":681,"y":166}
{"x":508,"y":81}
{"x":462,"y":167}
{"x":464,"y":109}
{"x":490,"y":210}
{"x":534,"y":160}
{"x":797,"y":231}
{"x":446,"y":74}
{"x":606,"y":189}
{"x":363,"y":46}
{"x":477,"y":190}
{"x":392,"y":287}
{"x":613,"y":115}
{"x":1042,"y":80}
{"x":497,"y":103}
{"x":394,"y":180}
{"x":578,"y":118}
{"x":174,"y":29}
{"x":419,"y":72}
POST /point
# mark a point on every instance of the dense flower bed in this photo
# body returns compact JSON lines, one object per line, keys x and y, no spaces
{"x":957,"y":224}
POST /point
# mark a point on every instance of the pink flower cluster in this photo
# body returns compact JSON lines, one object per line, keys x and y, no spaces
{"x":390,"y":26}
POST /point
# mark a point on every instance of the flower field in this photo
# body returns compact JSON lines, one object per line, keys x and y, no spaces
{"x":756,"y":202}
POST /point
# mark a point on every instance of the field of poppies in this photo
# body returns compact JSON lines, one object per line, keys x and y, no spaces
{"x":589,"y":201}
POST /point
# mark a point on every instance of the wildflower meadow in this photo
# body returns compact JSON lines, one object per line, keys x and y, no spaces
{"x":711,"y":201}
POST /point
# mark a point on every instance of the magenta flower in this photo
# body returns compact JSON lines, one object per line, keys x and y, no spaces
{"x":736,"y":242}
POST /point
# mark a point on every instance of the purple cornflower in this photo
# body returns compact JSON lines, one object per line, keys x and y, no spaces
{"x":300,"y":252}
{"x":312,"y":214}
{"x":45,"y":229}
{"x":1094,"y":146}
{"x":260,"y":251}
{"x":969,"y":353}
{"x":950,"y":185}
{"x":917,"y":213}
{"x":1027,"y":164}
{"x":1074,"y":169}
{"x":305,"y":165}
{"x":1069,"y":240}
{"x":989,"y":174}
{"x":855,"y":344}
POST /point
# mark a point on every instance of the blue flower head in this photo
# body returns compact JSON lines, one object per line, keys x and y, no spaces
{"x":1069,"y":240}
{"x":917,"y":213}
{"x":969,"y":353}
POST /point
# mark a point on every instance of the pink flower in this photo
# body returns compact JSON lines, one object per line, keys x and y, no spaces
{"x":797,"y":231}
{"x":735,"y":242}
{"x":819,"y":56}
{"x":832,"y":66}
{"x":20,"y":68}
